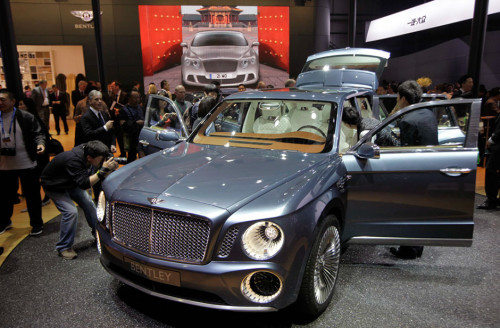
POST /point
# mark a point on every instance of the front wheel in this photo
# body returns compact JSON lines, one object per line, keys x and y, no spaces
{"x":321,"y":270}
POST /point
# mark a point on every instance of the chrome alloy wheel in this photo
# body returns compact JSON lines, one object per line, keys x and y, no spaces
{"x":327,"y":264}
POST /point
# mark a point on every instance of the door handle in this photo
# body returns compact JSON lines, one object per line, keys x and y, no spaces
{"x":144,"y":142}
{"x":455,"y":171}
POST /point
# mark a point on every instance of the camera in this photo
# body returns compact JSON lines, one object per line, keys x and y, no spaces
{"x":8,"y":151}
{"x":119,"y":160}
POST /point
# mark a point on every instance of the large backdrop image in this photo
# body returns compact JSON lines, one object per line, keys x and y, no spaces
{"x":194,"y":45}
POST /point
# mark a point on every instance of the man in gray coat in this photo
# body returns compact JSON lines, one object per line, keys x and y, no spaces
{"x":40,"y":96}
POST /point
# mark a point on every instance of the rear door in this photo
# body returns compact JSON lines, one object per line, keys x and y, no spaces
{"x":152,"y":136}
{"x":414,"y":194}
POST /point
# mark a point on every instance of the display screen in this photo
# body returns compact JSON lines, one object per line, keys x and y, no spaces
{"x":195,"y":45}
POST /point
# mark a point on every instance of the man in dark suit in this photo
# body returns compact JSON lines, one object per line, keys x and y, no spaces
{"x":40,"y":96}
{"x":491,"y":177}
{"x":417,"y":128}
{"x":78,"y":94}
{"x":59,"y":104}
{"x":117,"y":100}
{"x":96,"y":123}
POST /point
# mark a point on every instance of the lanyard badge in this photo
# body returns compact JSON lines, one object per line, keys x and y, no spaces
{"x":6,"y":136}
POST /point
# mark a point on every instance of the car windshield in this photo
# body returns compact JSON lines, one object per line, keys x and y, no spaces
{"x":305,"y":126}
{"x":219,"y":39}
{"x":360,"y":62}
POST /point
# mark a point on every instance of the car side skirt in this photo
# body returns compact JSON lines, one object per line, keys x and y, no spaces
{"x":371,"y":240}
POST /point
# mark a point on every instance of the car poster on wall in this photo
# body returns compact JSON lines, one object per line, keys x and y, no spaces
{"x":195,"y":45}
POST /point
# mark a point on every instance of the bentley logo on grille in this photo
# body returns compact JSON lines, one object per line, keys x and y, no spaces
{"x":154,"y":200}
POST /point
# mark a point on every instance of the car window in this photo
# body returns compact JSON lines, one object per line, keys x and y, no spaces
{"x":219,"y":39}
{"x":432,"y":126}
{"x":359,"y":62}
{"x":161,"y":115}
{"x":272,"y":124}
{"x":364,"y":106}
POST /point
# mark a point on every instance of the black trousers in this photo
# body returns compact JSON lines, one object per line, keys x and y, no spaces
{"x":60,"y":113}
{"x":30,"y":182}
{"x":491,"y":184}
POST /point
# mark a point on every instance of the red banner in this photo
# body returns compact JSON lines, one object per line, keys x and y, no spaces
{"x":274,"y":36}
{"x":161,"y":35}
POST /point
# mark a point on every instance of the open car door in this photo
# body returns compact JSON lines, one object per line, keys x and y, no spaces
{"x":408,"y":192}
{"x":163,"y":125}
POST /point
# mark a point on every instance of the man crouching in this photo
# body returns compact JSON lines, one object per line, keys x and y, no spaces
{"x":66,"y":179}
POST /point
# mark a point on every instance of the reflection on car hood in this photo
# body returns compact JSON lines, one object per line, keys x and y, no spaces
{"x":219,"y":52}
{"x":215,"y":175}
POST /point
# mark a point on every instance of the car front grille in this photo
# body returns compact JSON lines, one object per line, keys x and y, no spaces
{"x":220,"y":66}
{"x":160,"y":233}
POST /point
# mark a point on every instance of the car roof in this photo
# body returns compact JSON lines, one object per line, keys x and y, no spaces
{"x":334,"y":94}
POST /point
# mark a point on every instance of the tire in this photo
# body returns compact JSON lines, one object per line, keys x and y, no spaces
{"x":321,"y":270}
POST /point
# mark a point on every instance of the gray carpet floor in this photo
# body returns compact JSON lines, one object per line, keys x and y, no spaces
{"x":447,"y":287}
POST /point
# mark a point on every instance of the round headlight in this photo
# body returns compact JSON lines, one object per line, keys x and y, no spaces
{"x":196,"y":63}
{"x":263,"y":240}
{"x":101,"y":207}
{"x":244,"y":63}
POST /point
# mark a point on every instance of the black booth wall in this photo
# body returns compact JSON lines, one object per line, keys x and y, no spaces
{"x":50,"y":22}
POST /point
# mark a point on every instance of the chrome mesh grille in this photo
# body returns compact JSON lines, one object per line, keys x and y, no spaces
{"x":228,"y":241}
{"x":161,"y":233}
{"x":131,"y":226}
{"x":219,"y":66}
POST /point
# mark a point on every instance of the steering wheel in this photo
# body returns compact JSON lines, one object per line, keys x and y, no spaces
{"x":314,"y":128}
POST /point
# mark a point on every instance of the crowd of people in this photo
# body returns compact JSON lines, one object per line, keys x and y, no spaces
{"x":109,"y":121}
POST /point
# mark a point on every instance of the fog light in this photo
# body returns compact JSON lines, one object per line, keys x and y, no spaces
{"x":261,"y":287}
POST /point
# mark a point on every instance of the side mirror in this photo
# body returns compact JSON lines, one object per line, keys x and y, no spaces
{"x":368,"y":150}
{"x":255,"y":44}
{"x":184,"y":44}
{"x":167,"y":136}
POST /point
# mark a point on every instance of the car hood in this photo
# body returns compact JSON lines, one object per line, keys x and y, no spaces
{"x":214,"y":175}
{"x":218,"y":52}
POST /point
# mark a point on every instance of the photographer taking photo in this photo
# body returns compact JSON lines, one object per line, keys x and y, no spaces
{"x":66,"y":179}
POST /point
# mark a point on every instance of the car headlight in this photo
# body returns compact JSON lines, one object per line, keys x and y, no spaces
{"x":101,"y":207}
{"x":247,"y":61}
{"x":195,"y":62}
{"x":263,"y":240}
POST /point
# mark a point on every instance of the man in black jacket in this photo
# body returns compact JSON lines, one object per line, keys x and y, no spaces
{"x":132,"y":120}
{"x":66,"y":178}
{"x":491,"y":177}
{"x":416,"y":128}
{"x":21,"y":140}
{"x":96,"y":123}
{"x":59,"y":103}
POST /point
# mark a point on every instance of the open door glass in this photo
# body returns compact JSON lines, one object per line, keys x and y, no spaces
{"x":163,"y":125}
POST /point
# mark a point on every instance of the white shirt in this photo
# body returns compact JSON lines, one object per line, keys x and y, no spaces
{"x":96,"y":112}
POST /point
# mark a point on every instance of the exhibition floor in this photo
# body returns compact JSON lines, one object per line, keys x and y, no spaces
{"x":446,"y":287}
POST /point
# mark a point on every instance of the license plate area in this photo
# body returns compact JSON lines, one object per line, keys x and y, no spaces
{"x":221,"y":76}
{"x":153,"y":273}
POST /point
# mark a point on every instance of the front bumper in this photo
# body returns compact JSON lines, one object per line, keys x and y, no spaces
{"x":199,"y":77}
{"x":214,"y":285}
